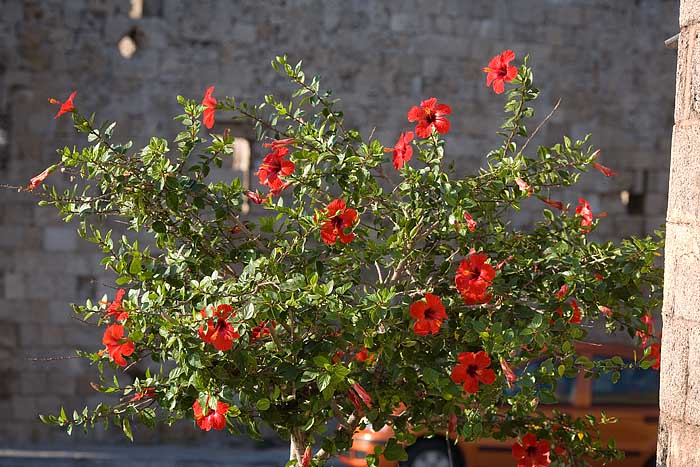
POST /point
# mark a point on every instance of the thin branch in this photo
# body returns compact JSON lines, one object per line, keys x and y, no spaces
{"x":554,"y":109}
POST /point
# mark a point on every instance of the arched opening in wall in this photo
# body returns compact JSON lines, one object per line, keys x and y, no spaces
{"x":634,"y":198}
{"x":141,"y":8}
{"x":128,"y":45}
{"x":239,"y":164}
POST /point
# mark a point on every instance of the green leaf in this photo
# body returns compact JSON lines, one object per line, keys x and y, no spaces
{"x":323,"y":381}
{"x":194,"y":360}
{"x":158,"y":227}
{"x":249,"y":311}
{"x":394,"y":451}
{"x":263,"y":404}
{"x":126,"y":428}
{"x":135,"y":266}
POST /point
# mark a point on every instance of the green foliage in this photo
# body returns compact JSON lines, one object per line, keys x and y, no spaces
{"x":195,"y":249}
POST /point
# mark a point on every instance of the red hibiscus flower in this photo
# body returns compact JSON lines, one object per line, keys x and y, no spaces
{"x":338,"y":219}
{"x":508,"y":373}
{"x":598,"y":276}
{"x":430,"y":115}
{"x":608,"y":172}
{"x":648,"y":320}
{"x":561,"y":293}
{"x":145,"y":393}
{"x":306,"y":458}
{"x":66,"y":106}
{"x":532,"y":452}
{"x":364,"y":355}
{"x":215,"y":419}
{"x":605,"y":310}
{"x":255,"y":197}
{"x":473,"y":368}
{"x":584,"y":210}
{"x":473,"y":277}
{"x":471,"y":223}
{"x":500,"y":72}
{"x":115,"y":308}
{"x":523,"y":185}
{"x":338,"y":355}
{"x":280,"y":143}
{"x":117,"y":345}
{"x":34,"y":182}
{"x":209,"y":103}
{"x":429,"y":313}
{"x":575,"y":315}
{"x":355,"y":402}
{"x":561,"y":452}
{"x":402,"y":149}
{"x":219,"y":331}
{"x":655,"y":354}
{"x":261,"y":330}
{"x":362,"y":394}
{"x":274,"y":165}
{"x":555,"y":204}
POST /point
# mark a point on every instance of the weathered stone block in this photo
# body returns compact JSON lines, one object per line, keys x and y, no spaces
{"x":60,"y":238}
{"x":674,"y":374}
{"x":682,"y":286}
{"x":683,"y":446}
{"x":692,"y":407}
{"x":689,"y":13}
{"x":684,"y":183}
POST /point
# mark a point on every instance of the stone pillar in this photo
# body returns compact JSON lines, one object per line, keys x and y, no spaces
{"x":679,"y":424}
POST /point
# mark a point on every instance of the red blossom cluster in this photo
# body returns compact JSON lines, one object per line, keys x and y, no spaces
{"x":145,"y":393}
{"x":508,"y":373}
{"x":336,"y":220}
{"x":261,"y":330}
{"x":584,"y":210}
{"x":562,"y":292}
{"x":471,"y":223}
{"x":213,"y":418}
{"x":37,"y":180}
{"x":66,"y":106}
{"x":115,"y":308}
{"x":430,"y":116}
{"x":532,"y":452}
{"x":209,"y":104}
{"x":402,"y":149}
{"x":273,"y":167}
{"x":500,"y":71}
{"x":575,"y":313}
{"x":117,"y":346}
{"x":357,"y":393}
{"x":654,"y":348}
{"x":473,"y":277}
{"x":524,"y":186}
{"x":473,"y":368}
{"x":429,"y":315}
{"x":218,"y":331}
{"x":364,"y":355}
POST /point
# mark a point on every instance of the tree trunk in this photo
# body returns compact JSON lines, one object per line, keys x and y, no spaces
{"x":679,"y":424}
{"x":298,"y":442}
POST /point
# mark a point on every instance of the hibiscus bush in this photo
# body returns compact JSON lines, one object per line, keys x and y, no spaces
{"x":371,"y":285}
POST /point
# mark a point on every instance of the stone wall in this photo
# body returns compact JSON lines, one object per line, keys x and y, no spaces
{"x":679,"y":426}
{"x":604,"y":58}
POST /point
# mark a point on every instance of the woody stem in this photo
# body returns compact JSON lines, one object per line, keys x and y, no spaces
{"x":298,"y":441}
